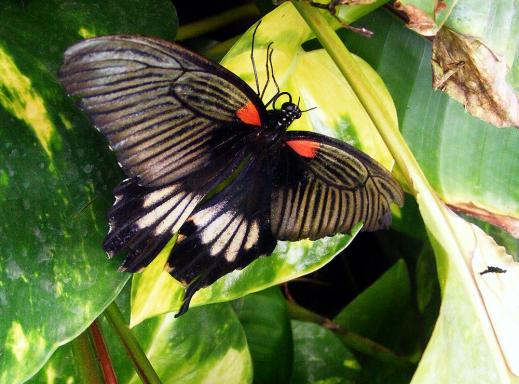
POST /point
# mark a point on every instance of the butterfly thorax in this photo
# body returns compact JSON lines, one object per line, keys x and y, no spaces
{"x":277,"y":122}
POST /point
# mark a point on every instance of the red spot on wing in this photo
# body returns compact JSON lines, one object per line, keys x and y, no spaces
{"x":249,"y":114}
{"x":305,"y":148}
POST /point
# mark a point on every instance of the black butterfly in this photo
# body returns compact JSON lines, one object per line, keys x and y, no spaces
{"x":180,"y":125}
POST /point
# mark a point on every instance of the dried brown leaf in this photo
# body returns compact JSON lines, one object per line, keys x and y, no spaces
{"x":419,"y":20}
{"x":468,"y":71}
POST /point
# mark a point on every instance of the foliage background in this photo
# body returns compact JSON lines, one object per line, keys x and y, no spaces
{"x":367,"y":316}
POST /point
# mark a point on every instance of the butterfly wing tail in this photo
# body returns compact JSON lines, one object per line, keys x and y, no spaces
{"x":226,"y":233}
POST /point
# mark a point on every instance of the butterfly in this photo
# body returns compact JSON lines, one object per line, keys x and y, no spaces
{"x":181,"y":126}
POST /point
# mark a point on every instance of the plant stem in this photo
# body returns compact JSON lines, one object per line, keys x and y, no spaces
{"x":350,"y":339}
{"x":451,"y":254}
{"x":140,"y":362}
{"x":215,"y":22}
{"x":103,"y":356}
{"x":434,"y":212}
{"x":85,"y":359}
{"x":379,"y":114}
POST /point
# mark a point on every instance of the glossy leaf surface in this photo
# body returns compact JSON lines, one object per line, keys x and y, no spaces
{"x":56,"y":177}
{"x":264,"y":318}
{"x":320,"y":357}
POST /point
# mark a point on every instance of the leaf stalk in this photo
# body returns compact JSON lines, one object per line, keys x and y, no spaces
{"x":139,"y":360}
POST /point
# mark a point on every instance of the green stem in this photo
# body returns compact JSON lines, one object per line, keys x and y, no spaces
{"x":215,"y":22}
{"x":440,"y":225}
{"x":85,"y":359}
{"x":436,"y":216}
{"x":140,"y":362}
{"x":350,"y":339}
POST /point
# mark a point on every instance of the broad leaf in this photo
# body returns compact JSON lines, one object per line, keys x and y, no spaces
{"x":56,"y":177}
{"x":264,"y":318}
{"x":384,"y":313}
{"x":475,"y":309}
{"x":206,"y":345}
{"x":155,"y":292}
{"x":320,"y":357}
{"x":469,"y":163}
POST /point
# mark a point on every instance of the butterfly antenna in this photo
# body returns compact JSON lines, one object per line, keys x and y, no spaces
{"x":276,"y":97}
{"x":268,"y":71}
{"x":309,"y":109}
{"x":252,"y":58}
{"x":306,"y":110}
{"x":272,"y":70}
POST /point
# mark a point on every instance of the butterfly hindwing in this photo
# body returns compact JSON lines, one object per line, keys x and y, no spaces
{"x":144,"y":218}
{"x":226,"y":233}
{"x":323,"y":186}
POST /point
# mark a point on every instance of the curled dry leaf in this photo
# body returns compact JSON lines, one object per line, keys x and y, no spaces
{"x":419,"y":20}
{"x":468,"y":71}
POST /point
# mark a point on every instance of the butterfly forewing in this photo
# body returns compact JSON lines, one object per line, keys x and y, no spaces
{"x":162,"y":108}
{"x":323,"y":186}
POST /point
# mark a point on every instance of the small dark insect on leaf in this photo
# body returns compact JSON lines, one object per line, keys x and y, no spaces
{"x":491,"y":269}
{"x":180,"y":125}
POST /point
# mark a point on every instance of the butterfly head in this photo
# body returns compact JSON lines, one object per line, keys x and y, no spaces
{"x":291,"y":111}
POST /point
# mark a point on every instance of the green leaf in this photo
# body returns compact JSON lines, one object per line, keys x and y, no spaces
{"x":55,"y":179}
{"x":384,"y":313}
{"x":264,"y":318}
{"x":338,"y":114}
{"x":206,"y":345}
{"x":475,"y":309}
{"x":320,"y":357}
{"x":467,"y":161}
{"x":62,"y":367}
{"x":155,"y":292}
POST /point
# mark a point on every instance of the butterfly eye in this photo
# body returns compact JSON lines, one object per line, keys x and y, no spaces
{"x":287,"y":106}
